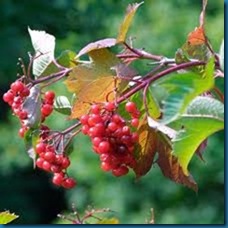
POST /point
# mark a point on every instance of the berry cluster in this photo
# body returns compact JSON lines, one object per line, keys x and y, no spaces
{"x":50,"y":161}
{"x":112,"y":136}
{"x":15,"y":97}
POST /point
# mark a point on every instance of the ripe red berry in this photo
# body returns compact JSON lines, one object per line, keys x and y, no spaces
{"x":135,"y":122}
{"x":46,"y":109}
{"x":22,"y":131}
{"x":65,"y":163}
{"x":96,"y":141}
{"x":17,"y":86}
{"x":106,"y":166}
{"x":120,"y":171}
{"x":95,"y":109}
{"x":130,"y":107}
{"x":84,"y":119}
{"x":49,"y":96}
{"x":39,"y":163}
{"x":104,"y":147}
{"x":40,"y":147}
{"x":25,"y":92}
{"x":68,"y":183}
{"x":110,"y":106}
{"x":58,"y":179}
{"x":112,"y":126}
{"x":49,"y":156}
{"x":85,"y":129}
{"x":46,"y":166}
{"x":23,"y":115}
{"x":8,"y":97}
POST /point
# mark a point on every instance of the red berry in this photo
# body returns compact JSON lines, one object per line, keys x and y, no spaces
{"x":49,"y":96}
{"x":49,"y":156}
{"x":65,"y":163}
{"x":112,"y":126}
{"x":8,"y":97}
{"x":120,"y":171}
{"x":25,"y":92}
{"x":135,"y":122}
{"x":17,"y":86}
{"x":95,"y":109}
{"x":40,"y":147}
{"x":110,"y":106}
{"x":96,"y":141}
{"x":94,"y":119}
{"x":56,"y":168}
{"x":68,"y":183}
{"x":130,"y":107}
{"x":126,"y":130}
{"x":46,"y":166}
{"x":106,"y":166}
{"x":22,"y":131}
{"x":85,"y":129}
{"x":23,"y":115}
{"x":84,"y":119}
{"x":39,"y":163}
{"x":58,"y":178}
{"x":135,"y":137}
{"x":104,"y":147}
{"x":46,"y":109}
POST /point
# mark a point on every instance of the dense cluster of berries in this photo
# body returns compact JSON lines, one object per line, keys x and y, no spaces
{"x":112,"y":136}
{"x":16,"y":97}
{"x":57,"y":164}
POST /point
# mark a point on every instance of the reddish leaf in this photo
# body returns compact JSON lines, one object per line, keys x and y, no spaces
{"x":131,"y":9}
{"x":171,"y":168}
{"x":197,"y":36}
{"x":146,"y":149}
{"x":108,"y":42}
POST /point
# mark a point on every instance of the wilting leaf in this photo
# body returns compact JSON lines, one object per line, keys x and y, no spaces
{"x":44,"y":46}
{"x":108,"y":221}
{"x":62,"y":105}
{"x":105,"y":43}
{"x":171,"y":168}
{"x":7,"y":217}
{"x":145,"y":150}
{"x":204,"y":117}
{"x":127,"y":21}
{"x":182,"y":89}
{"x":32,"y":106}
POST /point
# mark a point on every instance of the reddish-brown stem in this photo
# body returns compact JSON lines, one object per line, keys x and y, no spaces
{"x":150,"y":77}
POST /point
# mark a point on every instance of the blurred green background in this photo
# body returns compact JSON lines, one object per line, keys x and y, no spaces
{"x":160,"y":27}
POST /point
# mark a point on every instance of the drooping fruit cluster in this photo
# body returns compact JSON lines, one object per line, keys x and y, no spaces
{"x":112,"y":136}
{"x":15,"y":97}
{"x":53,"y":162}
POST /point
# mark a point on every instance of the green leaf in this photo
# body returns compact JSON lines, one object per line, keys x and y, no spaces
{"x":182,"y":89}
{"x":7,"y":217}
{"x":62,"y":105}
{"x":221,"y":55}
{"x":152,"y":105}
{"x":44,"y":46}
{"x":66,"y":59}
{"x":204,"y":117}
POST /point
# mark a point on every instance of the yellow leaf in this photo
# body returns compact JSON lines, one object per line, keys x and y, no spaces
{"x":127,"y":21}
{"x":7,"y":217}
{"x":108,"y":221}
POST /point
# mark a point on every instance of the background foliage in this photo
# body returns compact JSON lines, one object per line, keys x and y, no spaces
{"x":159,"y":26}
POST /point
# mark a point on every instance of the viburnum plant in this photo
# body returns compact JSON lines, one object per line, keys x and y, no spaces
{"x":133,"y":120}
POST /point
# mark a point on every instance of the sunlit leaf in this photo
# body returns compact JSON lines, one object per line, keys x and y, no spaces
{"x":182,"y":89}
{"x":203,"y":117}
{"x":108,"y":221}
{"x":7,"y":217}
{"x":95,"y":81}
{"x":62,"y":105}
{"x":44,"y":46}
{"x":146,"y":149}
{"x":127,"y":21}
{"x":105,"y":43}
{"x":197,"y":36}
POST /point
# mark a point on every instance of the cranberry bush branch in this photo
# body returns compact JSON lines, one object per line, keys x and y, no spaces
{"x":129,"y":117}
